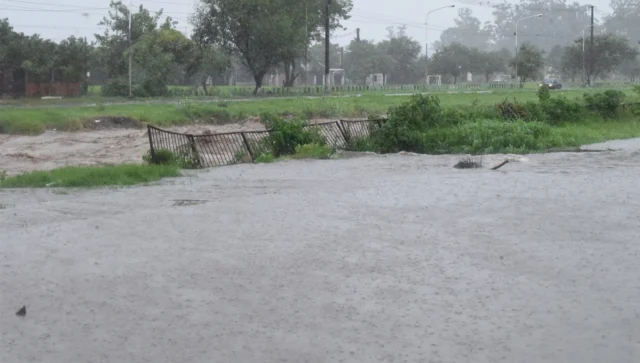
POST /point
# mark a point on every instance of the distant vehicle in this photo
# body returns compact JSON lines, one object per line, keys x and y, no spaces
{"x":551,"y":84}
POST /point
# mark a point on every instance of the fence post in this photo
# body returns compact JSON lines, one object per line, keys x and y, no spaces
{"x":152,"y":149}
{"x":194,"y":150}
{"x":343,"y":130}
{"x":246,"y":143}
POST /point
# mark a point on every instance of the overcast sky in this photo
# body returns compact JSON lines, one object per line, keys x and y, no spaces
{"x":57,"y":19}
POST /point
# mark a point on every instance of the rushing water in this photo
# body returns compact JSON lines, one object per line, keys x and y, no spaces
{"x":371,"y":259}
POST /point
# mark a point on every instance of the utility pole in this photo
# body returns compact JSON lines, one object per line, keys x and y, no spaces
{"x":591,"y":48}
{"x":358,"y":34}
{"x":130,"y":50}
{"x":327,"y":41}
{"x":306,"y":42}
{"x":341,"y":56}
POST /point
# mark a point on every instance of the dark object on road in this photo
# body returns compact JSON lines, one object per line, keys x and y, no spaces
{"x":551,"y":84}
{"x":500,"y":165}
{"x":468,"y":163}
{"x":22,"y":312}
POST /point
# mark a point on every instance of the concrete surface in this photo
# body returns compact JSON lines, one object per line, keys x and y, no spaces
{"x":375,"y":259}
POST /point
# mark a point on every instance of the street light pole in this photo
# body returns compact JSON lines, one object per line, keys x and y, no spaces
{"x":517,"y":49}
{"x":426,"y":46}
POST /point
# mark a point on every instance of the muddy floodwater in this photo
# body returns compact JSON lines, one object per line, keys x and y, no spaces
{"x":371,"y":259}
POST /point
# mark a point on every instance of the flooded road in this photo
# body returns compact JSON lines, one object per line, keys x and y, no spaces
{"x":372,"y":259}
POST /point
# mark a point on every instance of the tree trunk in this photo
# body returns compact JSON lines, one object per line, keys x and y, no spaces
{"x":289,"y":73}
{"x":258,"y":78}
{"x":204,"y":84}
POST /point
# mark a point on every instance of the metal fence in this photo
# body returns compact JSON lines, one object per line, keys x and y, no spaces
{"x":209,"y":150}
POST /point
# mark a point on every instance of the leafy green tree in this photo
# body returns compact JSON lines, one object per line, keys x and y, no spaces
{"x":560,"y":22}
{"x":623,"y":21}
{"x":453,"y":60}
{"x":572,"y":66}
{"x":362,"y":59}
{"x":530,"y":62}
{"x":401,"y":54}
{"x":157,"y":53}
{"x":487,"y":63}
{"x":631,"y":69}
{"x":608,"y":53}
{"x":264,"y":33}
{"x":114,"y":41}
{"x":468,"y":31}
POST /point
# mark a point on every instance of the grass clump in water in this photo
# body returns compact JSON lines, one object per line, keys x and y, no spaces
{"x":92,"y":176}
{"x":468,"y":163}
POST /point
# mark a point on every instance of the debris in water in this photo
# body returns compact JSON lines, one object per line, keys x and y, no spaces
{"x":468,"y":163}
{"x":500,"y":165}
{"x":23,"y":311}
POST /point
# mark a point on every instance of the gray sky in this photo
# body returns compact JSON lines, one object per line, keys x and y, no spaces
{"x":57,"y":19}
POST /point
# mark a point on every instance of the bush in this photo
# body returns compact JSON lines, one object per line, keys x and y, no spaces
{"x":558,"y":110}
{"x":544,"y":94}
{"x":116,"y":87}
{"x":419,"y":113}
{"x":187,"y":158}
{"x":605,"y":104}
{"x":286,"y":136}
{"x":155,"y":87}
{"x":313,"y":151}
{"x":512,"y":110}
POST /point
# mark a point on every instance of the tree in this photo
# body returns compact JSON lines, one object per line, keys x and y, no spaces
{"x":624,"y":19}
{"x":572,"y":62}
{"x":264,"y":33}
{"x":487,"y":63}
{"x":530,"y":62}
{"x":401,"y":54}
{"x":362,"y":59}
{"x":631,"y":69}
{"x":554,"y":59}
{"x":212,"y":62}
{"x":468,"y":31}
{"x":74,"y":56}
{"x":157,"y":53}
{"x":609,"y":51}
{"x":560,"y":23}
{"x":114,"y":41}
{"x":453,"y":60}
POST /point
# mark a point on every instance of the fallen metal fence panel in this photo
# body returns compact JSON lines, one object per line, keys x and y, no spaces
{"x":209,"y":150}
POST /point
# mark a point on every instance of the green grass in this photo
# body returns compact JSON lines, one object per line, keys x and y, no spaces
{"x":92,"y":176}
{"x":35,"y":120}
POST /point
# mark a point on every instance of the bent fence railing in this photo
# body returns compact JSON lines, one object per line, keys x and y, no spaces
{"x":209,"y":150}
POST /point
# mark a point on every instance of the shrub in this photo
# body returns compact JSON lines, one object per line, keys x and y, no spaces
{"x":155,"y":87}
{"x":186,"y":158}
{"x":544,"y":94}
{"x":636,"y":89}
{"x":419,"y":113}
{"x":558,"y":110}
{"x":286,"y":136}
{"x":512,"y":110}
{"x":605,"y":104}
{"x":116,"y":87}
{"x":3,"y":175}
{"x":313,"y":151}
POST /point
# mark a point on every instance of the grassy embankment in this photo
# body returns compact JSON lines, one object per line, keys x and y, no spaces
{"x":91,"y":176}
{"x":35,"y":120}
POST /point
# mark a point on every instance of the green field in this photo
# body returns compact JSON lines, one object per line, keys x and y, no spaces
{"x":38,"y":118}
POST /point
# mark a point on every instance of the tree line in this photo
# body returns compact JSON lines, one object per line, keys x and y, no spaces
{"x":287,"y":36}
